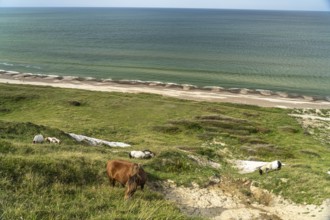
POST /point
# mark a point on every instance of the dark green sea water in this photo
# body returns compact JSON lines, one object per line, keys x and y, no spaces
{"x":274,"y":50}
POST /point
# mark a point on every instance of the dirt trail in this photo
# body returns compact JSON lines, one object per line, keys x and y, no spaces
{"x":224,"y":201}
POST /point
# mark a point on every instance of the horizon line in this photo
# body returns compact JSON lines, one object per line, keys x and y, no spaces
{"x":147,"y":7}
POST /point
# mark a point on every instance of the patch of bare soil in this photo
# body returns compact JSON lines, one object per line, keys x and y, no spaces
{"x":238,"y":199}
{"x":315,"y":122}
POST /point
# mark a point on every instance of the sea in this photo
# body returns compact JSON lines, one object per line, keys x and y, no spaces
{"x":285,"y":51}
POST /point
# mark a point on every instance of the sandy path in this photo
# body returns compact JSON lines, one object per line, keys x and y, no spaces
{"x":218,"y":204}
{"x":182,"y":93}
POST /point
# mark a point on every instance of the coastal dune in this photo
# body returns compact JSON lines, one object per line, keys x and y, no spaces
{"x":263,"y":98}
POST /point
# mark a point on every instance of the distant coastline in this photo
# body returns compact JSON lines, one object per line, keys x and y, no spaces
{"x":259,"y":97}
{"x":279,"y":51}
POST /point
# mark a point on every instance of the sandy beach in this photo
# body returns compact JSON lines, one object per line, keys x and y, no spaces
{"x":262,"y":98}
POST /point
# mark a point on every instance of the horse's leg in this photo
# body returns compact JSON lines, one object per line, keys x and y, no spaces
{"x":112,"y":182}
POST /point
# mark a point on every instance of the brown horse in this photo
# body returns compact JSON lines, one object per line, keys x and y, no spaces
{"x":126,"y":173}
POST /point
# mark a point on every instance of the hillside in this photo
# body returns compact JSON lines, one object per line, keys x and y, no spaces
{"x":68,"y":181}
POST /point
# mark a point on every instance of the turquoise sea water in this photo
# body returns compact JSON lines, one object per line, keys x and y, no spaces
{"x":274,"y":50}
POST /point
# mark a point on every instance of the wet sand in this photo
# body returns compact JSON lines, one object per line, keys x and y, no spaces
{"x":262,"y":98}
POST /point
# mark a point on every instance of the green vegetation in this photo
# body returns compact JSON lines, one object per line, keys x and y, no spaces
{"x":68,"y":181}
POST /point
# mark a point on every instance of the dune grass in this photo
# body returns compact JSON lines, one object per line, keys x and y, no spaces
{"x":68,"y":181}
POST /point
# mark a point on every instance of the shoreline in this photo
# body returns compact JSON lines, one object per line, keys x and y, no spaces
{"x":258,"y":97}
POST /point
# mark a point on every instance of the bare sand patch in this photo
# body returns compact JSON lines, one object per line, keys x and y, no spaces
{"x":224,"y":201}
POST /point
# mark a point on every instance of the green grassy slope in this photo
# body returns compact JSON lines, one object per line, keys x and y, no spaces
{"x":68,"y":181}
